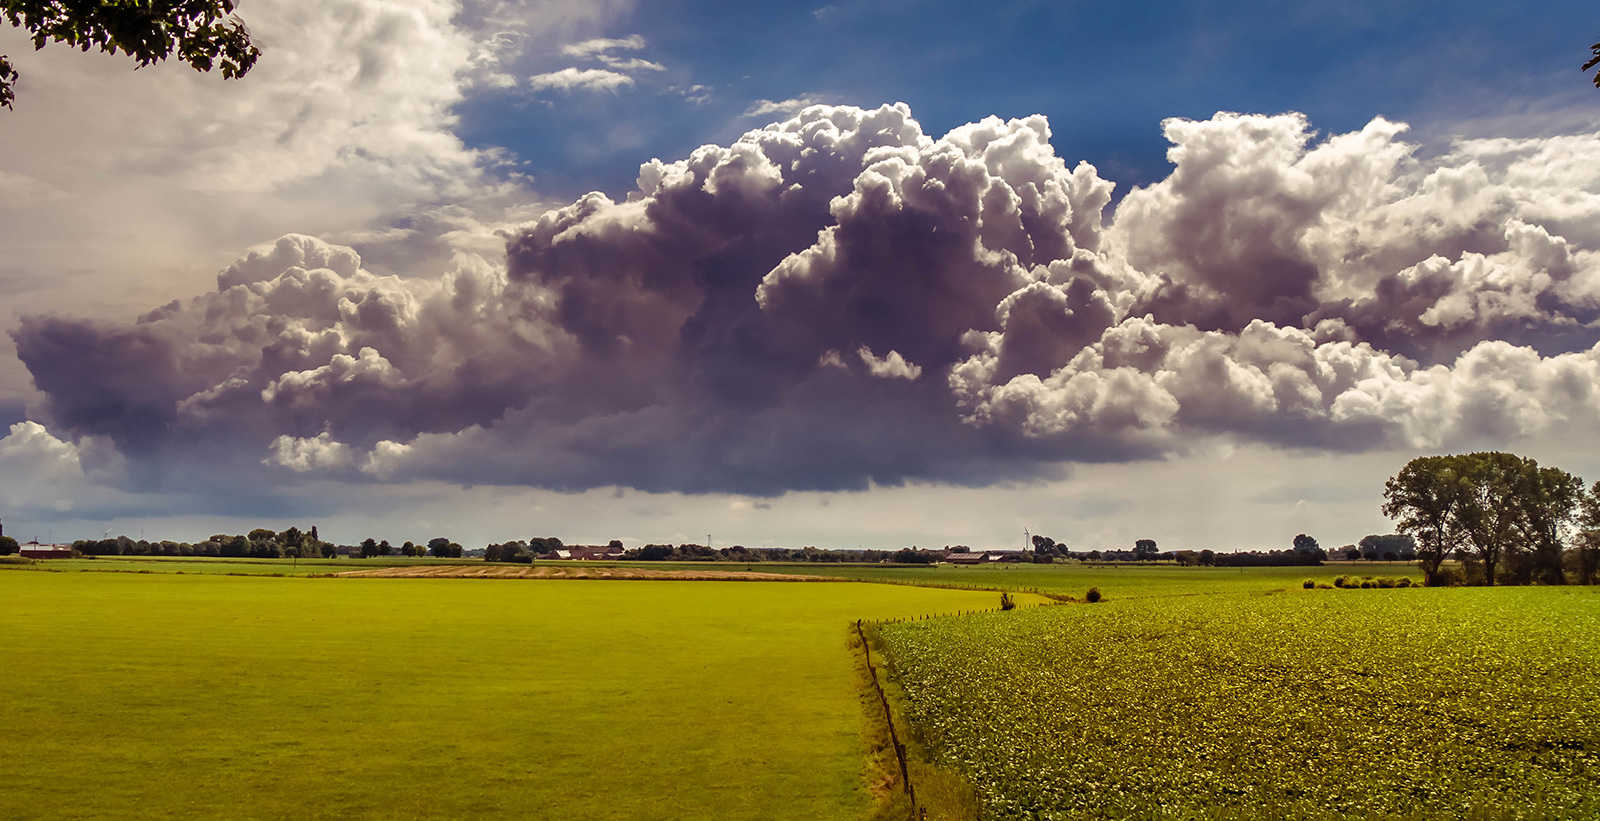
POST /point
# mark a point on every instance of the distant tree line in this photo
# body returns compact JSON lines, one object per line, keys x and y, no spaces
{"x":1395,"y":547}
{"x":439,"y":548}
{"x":1508,"y":519}
{"x":740,"y":553}
{"x":527,"y":551}
{"x":263,"y":543}
{"x":8,"y":546}
{"x":1305,"y":552}
{"x":257,"y":544}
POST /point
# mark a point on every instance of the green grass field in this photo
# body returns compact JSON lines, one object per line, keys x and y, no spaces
{"x":1442,"y":703}
{"x":236,"y":566}
{"x":209,"y":696}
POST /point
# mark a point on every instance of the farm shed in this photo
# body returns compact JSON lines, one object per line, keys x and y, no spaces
{"x":34,"y":550}
{"x":585,"y":553}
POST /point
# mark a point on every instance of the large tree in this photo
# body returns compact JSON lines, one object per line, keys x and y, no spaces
{"x":1547,"y":501}
{"x":202,"y":33}
{"x":1588,"y":539}
{"x":1487,"y":512}
{"x":1307,"y":547}
{"x":1423,"y":496}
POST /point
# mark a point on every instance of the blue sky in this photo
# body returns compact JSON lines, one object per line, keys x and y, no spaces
{"x":1105,"y":74}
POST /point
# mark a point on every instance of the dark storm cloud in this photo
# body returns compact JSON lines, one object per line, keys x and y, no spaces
{"x":839,"y":300}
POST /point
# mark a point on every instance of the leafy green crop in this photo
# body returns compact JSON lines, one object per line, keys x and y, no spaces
{"x":1419,"y":702}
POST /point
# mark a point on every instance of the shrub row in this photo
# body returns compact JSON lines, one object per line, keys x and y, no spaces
{"x":1354,"y":582}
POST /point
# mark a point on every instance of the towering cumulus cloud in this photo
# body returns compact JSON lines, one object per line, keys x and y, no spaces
{"x":840,"y":299}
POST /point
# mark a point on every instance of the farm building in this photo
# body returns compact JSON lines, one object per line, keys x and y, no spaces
{"x":586,"y":552}
{"x":986,"y":557}
{"x":34,"y":550}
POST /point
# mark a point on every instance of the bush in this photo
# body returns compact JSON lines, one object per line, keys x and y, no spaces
{"x":1403,"y":583}
{"x":10,"y":558}
{"x":1006,"y":602}
{"x":1387,"y":583}
{"x":1092,"y":596}
{"x":1309,"y":584}
{"x":1446,"y":577}
{"x":1344,"y":581}
{"x":1324,"y":586}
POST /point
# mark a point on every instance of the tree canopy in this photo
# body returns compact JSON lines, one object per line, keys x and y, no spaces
{"x":202,"y":33}
{"x":1495,"y":511}
{"x":1594,"y":61}
{"x":1423,"y":496}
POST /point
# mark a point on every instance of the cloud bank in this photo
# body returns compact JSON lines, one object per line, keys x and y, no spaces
{"x":840,"y":300}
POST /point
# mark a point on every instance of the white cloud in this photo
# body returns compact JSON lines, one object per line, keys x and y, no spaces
{"x":618,"y":72}
{"x":634,"y":64}
{"x":696,"y":94}
{"x":40,"y":472}
{"x":133,"y":187}
{"x":386,"y":459}
{"x":599,"y":45}
{"x":892,"y":366}
{"x":761,"y":108}
{"x":321,"y":453}
{"x":29,"y":454}
{"x":587,"y":79}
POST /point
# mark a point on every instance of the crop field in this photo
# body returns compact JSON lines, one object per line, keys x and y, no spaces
{"x":213,"y":696}
{"x":1443,"y":703}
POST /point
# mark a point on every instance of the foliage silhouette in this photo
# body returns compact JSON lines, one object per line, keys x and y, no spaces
{"x":202,"y":33}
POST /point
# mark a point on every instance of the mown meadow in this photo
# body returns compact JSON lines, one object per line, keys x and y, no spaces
{"x":160,"y":695}
{"x":1443,"y":703}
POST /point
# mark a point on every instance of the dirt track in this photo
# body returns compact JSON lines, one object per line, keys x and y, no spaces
{"x":575,"y":572}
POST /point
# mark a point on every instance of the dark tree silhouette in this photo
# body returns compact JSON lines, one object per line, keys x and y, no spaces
{"x":202,"y":33}
{"x":1489,"y":521}
{"x":1424,"y":496}
{"x":1547,"y":500}
{"x":1307,"y":546}
{"x":1594,"y":61}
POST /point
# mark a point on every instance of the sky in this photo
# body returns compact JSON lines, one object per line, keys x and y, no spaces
{"x":864,"y":274}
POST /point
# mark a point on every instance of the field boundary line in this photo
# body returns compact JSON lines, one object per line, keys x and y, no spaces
{"x":888,"y":717}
